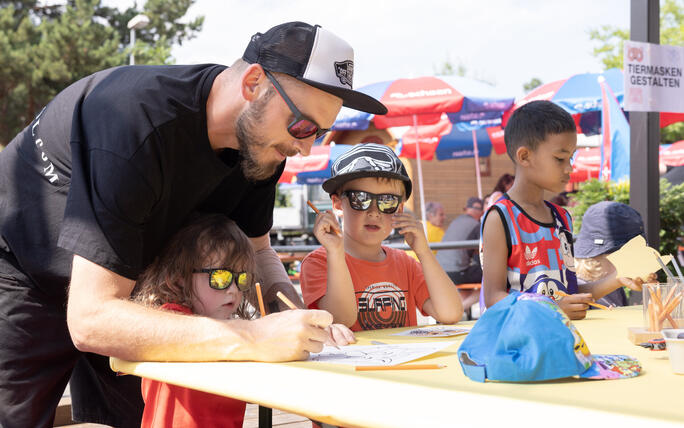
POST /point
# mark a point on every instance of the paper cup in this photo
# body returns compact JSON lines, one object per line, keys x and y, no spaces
{"x":663,"y":306}
{"x":675,"y":347}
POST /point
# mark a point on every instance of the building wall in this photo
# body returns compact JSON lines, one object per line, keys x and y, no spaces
{"x":453,"y":181}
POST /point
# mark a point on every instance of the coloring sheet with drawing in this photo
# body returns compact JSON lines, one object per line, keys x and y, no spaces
{"x":434,"y":331}
{"x":377,"y":355}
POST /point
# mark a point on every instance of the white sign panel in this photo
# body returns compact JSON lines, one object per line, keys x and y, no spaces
{"x":653,"y":77}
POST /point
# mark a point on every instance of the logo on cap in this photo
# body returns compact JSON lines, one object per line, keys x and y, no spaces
{"x":345,"y":72}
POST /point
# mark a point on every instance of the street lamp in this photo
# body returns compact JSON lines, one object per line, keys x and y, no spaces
{"x":136,"y":23}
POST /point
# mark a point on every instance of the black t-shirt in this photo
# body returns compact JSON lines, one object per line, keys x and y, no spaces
{"x":111,"y":168}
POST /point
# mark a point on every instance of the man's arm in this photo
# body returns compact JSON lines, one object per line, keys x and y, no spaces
{"x":272,"y":273}
{"x":103,"y":320}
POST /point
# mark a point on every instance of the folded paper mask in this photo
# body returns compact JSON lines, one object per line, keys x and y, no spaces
{"x":527,"y":337}
{"x":636,"y":259}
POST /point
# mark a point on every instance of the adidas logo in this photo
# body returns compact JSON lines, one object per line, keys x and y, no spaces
{"x":531,"y":256}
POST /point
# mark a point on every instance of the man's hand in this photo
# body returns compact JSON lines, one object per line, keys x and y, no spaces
{"x":290,"y":335}
{"x":412,"y":231}
{"x":575,"y":305}
{"x":340,"y":335}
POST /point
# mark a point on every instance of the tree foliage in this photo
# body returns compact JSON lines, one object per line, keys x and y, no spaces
{"x":611,"y":39}
{"x":43,"y":49}
{"x":533,"y":83}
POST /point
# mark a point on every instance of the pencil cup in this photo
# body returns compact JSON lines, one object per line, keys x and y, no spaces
{"x":663,"y":306}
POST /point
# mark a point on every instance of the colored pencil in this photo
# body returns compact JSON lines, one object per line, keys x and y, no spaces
{"x":594,"y":304}
{"x":400,"y":367}
{"x":317,"y":211}
{"x":261,"y":300}
{"x":287,"y":301}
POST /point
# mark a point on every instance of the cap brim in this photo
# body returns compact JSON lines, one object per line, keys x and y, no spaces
{"x":332,"y":184}
{"x":612,"y":367}
{"x":353,"y":99}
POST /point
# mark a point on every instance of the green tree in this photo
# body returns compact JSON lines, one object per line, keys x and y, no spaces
{"x":43,"y":49}
{"x":611,"y":39}
{"x":533,"y":83}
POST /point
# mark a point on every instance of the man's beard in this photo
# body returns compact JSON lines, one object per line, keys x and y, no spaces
{"x":250,"y":144}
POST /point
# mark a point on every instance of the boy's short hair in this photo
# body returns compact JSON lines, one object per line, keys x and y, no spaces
{"x":367,"y":160}
{"x":533,"y":122}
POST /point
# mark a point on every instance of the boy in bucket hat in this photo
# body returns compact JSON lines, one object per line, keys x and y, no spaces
{"x":362,"y":283}
{"x":606,"y":227}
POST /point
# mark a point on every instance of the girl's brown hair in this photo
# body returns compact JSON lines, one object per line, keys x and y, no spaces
{"x":208,"y":238}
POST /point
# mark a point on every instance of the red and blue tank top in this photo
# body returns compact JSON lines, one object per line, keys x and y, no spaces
{"x":540,"y":255}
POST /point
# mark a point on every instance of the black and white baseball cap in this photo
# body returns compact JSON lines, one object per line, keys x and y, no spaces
{"x":367,"y":160}
{"x":313,"y":55}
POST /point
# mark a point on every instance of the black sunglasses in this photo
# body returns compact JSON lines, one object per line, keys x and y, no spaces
{"x":221,"y":278}
{"x":301,"y":126}
{"x":359,"y":200}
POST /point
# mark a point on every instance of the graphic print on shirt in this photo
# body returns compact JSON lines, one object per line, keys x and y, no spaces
{"x":382,"y":305}
{"x":541,"y":259}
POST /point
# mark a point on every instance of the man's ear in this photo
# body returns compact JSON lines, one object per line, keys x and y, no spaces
{"x":250,"y":80}
{"x":522,"y":156}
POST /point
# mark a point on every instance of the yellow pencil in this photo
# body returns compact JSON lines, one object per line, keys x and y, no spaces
{"x":594,"y":304}
{"x":401,"y":367}
{"x":317,"y":211}
{"x":261,"y":300}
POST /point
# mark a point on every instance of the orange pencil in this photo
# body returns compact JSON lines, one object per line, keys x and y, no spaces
{"x":261,"y":300}
{"x":317,"y":211}
{"x":594,"y":304}
{"x":400,"y":367}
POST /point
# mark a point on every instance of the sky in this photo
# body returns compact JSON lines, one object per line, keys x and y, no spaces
{"x":505,"y":42}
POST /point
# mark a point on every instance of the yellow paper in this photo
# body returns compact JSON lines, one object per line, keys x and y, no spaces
{"x":636,"y":259}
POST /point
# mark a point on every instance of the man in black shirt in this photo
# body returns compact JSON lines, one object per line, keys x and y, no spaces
{"x":92,"y":189}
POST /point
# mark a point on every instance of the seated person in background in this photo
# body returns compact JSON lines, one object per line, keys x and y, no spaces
{"x":504,"y":183}
{"x":606,"y":226}
{"x":463,"y":265}
{"x":434,"y":214}
{"x":363,"y":284}
{"x":527,"y":245}
{"x":206,"y":269}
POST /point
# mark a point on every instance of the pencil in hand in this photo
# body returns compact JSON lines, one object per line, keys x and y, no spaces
{"x":287,"y":301}
{"x":594,"y":304}
{"x":317,"y":211}
{"x":260,"y":298}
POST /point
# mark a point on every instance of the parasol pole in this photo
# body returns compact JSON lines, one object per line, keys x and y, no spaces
{"x":420,"y":175}
{"x":477,"y":166}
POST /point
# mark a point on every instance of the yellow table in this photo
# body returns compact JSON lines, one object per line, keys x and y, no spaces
{"x":338,"y":395}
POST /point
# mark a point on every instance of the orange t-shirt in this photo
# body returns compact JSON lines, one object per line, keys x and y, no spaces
{"x":169,"y":405}
{"x":387,"y":292}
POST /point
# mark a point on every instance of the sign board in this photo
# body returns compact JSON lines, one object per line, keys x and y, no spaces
{"x":654,"y":78}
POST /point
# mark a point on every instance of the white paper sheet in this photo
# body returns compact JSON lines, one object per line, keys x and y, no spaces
{"x":434,"y":331}
{"x":377,"y":355}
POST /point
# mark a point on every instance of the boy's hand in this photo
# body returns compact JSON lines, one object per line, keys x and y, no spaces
{"x":575,"y":305}
{"x":412,"y":230}
{"x":340,"y":335}
{"x":327,"y":231}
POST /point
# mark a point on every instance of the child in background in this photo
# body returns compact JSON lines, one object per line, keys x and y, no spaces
{"x":363,"y":284}
{"x":538,"y":253}
{"x":606,"y":227}
{"x":206,"y":269}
